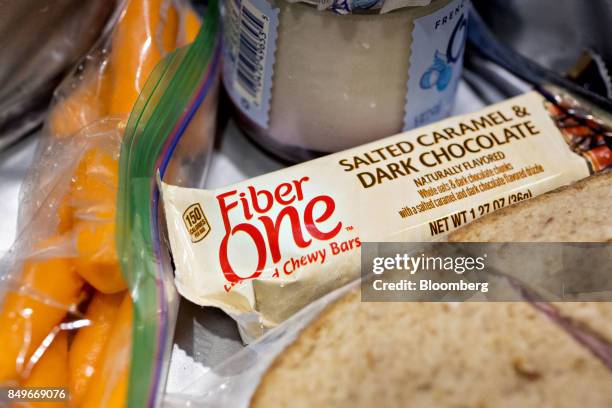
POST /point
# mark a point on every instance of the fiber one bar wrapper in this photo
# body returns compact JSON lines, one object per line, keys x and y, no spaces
{"x":264,"y":248}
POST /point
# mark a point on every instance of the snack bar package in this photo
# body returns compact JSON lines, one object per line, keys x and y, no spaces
{"x":264,"y":248}
{"x":87,"y":303}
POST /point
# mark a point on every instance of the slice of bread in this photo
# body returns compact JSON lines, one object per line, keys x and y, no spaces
{"x":462,"y":354}
{"x":434,"y":355}
{"x":576,"y":213}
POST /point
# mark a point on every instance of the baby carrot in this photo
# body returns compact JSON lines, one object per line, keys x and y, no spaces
{"x":89,"y":342}
{"x":97,"y":260}
{"x":108,"y":385}
{"x":50,"y":371}
{"x":94,"y":189}
{"x":93,"y":199}
{"x":64,"y":215}
{"x":190,"y":26}
{"x":84,"y":105}
{"x":46,"y":289}
{"x":137,"y":47}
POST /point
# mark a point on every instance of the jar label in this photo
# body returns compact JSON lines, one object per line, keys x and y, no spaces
{"x":438,"y":41}
{"x":250,"y":42}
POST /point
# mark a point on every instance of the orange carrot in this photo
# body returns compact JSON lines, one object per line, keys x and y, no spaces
{"x":51,"y":371}
{"x":64,"y":215}
{"x":48,"y":287}
{"x":95,"y":184}
{"x":97,"y":260}
{"x":84,"y":105}
{"x":89,"y":342}
{"x":108,"y":385}
{"x":93,"y":199}
{"x":170,"y":23}
{"x":136,"y":48}
{"x":190,"y":26}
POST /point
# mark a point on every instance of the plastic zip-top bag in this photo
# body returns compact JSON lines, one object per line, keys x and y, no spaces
{"x":87,"y":302}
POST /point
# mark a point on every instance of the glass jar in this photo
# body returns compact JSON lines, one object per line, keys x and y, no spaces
{"x":306,"y":82}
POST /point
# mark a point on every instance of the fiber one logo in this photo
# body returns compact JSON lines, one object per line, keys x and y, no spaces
{"x":257,"y":216}
{"x":196,"y":223}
